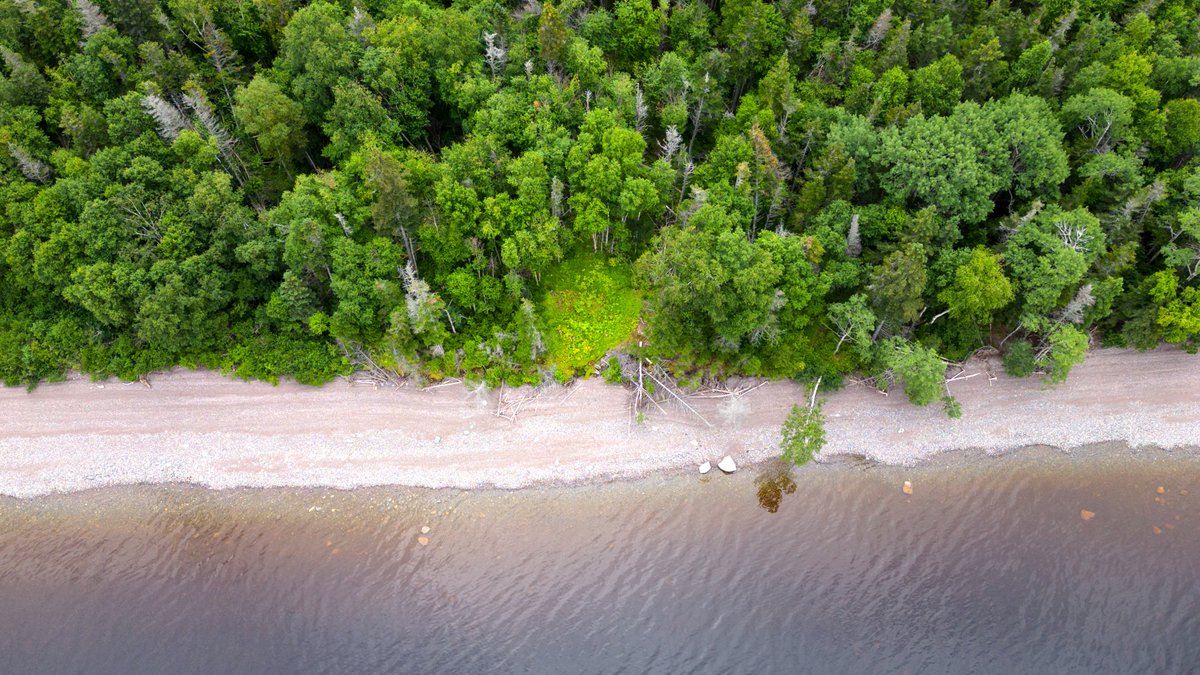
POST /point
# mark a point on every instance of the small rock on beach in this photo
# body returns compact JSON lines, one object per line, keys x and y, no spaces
{"x":727,"y":464}
{"x":705,"y":468}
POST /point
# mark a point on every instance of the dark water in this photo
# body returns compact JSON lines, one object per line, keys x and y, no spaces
{"x":987,"y":568}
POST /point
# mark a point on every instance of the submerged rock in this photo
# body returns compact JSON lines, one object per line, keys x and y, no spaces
{"x":1161,"y":490}
{"x":1087,"y":515}
{"x":424,"y":529}
{"x":907,"y":487}
{"x":423,"y":540}
{"x":705,"y":468}
{"x":727,"y":464}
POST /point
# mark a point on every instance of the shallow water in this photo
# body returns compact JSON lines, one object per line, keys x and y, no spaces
{"x":987,"y":567}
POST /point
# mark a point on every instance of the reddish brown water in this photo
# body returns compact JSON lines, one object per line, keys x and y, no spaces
{"x":987,"y":567}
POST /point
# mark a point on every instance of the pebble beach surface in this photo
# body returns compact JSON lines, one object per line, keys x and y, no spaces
{"x":204,"y":428}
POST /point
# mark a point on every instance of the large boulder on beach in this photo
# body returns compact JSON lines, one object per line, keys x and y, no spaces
{"x":705,"y":468}
{"x":727,"y":464}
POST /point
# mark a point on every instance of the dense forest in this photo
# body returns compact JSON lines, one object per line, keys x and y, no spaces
{"x":510,"y":192}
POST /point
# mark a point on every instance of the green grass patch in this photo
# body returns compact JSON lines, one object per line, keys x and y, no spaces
{"x":588,"y":306}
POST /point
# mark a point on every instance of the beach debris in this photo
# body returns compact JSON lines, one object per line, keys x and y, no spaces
{"x":705,"y":467}
{"x":424,"y":529}
{"x":907,"y":488}
{"x":665,"y":388}
{"x":1086,"y":515}
{"x":424,"y":541}
{"x":1183,"y":492}
{"x":1161,"y":490}
{"x":727,"y":464}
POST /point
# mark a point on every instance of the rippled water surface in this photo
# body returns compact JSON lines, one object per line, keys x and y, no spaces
{"x":988,"y":567}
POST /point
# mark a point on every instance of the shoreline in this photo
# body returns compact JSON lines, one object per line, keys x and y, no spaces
{"x":207,"y":429}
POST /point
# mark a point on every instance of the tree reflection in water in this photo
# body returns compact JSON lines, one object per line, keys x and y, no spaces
{"x":773,"y":483}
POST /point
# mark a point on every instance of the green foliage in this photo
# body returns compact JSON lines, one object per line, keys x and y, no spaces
{"x":952,"y":407}
{"x":588,"y":307}
{"x":299,"y":189}
{"x":854,"y":322}
{"x":945,"y":162}
{"x":612,"y":371}
{"x":1066,"y":349}
{"x":273,"y":119}
{"x":979,"y":288}
{"x":938,"y":86}
{"x":1049,"y":257}
{"x":803,"y":434}
{"x":710,"y":288}
{"x":919,"y":369}
{"x":1177,"y":313}
{"x":317,"y":52}
{"x":1019,"y":359}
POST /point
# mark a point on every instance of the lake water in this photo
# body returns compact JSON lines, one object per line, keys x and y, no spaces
{"x":988,"y":567}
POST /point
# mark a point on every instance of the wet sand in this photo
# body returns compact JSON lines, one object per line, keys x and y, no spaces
{"x":204,"y":428}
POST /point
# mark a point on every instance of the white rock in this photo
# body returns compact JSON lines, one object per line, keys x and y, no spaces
{"x":727,"y":464}
{"x":695,"y":443}
{"x":705,"y":468}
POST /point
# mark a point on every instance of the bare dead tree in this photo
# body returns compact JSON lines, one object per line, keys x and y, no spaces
{"x":221,"y":54}
{"x":170,"y":121}
{"x":670,"y":144}
{"x":495,"y":55}
{"x":145,"y":217}
{"x":640,"y":110}
{"x":226,"y":144}
{"x":665,"y":389}
{"x":1073,"y":311}
{"x":1075,"y":238}
{"x":94,"y":20}
{"x":1064,"y":25}
{"x":696,"y":114}
{"x":879,"y":30}
{"x":31,"y":167}
{"x":853,"y":239}
{"x":368,"y":367}
{"x":360,"y":22}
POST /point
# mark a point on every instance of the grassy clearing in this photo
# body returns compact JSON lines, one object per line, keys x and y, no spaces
{"x":588,"y":306}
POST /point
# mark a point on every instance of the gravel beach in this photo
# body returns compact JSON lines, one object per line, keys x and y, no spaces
{"x":203,"y":428}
